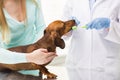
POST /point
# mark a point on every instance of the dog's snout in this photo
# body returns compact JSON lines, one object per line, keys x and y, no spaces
{"x":71,"y":23}
{"x":74,"y":22}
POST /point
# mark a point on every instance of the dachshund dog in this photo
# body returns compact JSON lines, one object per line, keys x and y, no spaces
{"x":50,"y":40}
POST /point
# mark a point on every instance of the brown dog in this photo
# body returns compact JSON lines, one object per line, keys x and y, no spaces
{"x":50,"y":40}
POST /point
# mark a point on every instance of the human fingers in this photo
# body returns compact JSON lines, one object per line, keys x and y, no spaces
{"x":89,"y":26}
{"x":43,"y":50}
{"x":50,"y":58}
{"x":51,"y":54}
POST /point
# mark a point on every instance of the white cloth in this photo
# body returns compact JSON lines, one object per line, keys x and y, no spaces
{"x":94,"y":54}
{"x":91,"y":2}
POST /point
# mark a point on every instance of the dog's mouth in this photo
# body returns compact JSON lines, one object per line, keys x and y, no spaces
{"x":68,"y":26}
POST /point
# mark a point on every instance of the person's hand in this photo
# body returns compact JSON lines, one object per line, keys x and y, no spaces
{"x":40,"y":56}
{"x":99,"y":23}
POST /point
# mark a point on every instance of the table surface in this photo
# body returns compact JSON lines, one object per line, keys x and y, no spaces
{"x":18,"y":76}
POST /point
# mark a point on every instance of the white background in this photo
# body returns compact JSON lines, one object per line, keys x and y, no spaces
{"x":52,"y":9}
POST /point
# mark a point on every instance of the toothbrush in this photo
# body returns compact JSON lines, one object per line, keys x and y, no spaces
{"x":84,"y":27}
{"x":74,"y":27}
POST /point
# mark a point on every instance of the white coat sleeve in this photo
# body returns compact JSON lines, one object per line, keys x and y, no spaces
{"x":9,"y":57}
{"x":114,"y":30}
{"x":67,"y":11}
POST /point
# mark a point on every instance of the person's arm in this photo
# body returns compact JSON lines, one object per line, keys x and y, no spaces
{"x":9,"y":57}
{"x":39,"y":20}
{"x":114,"y":30}
{"x":39,"y":56}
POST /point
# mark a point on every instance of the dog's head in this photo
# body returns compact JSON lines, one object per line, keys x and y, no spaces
{"x":56,"y":30}
{"x":60,"y":27}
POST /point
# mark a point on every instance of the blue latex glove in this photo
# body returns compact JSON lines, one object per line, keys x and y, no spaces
{"x":99,"y":23}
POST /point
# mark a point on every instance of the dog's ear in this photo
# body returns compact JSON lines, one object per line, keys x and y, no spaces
{"x":59,"y":42}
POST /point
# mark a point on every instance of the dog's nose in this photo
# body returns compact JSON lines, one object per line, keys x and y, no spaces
{"x":73,"y":21}
{"x":76,"y":20}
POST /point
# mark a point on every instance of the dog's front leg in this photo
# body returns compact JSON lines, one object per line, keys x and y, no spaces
{"x":44,"y":70}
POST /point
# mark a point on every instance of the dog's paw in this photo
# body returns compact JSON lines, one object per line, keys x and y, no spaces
{"x":51,"y":76}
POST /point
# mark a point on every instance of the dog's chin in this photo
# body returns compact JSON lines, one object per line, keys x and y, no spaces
{"x":46,"y":63}
{"x":62,"y":47}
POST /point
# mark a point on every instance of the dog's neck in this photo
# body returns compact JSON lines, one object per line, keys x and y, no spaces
{"x":46,"y":42}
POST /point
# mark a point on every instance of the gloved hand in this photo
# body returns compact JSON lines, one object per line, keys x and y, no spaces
{"x":99,"y":23}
